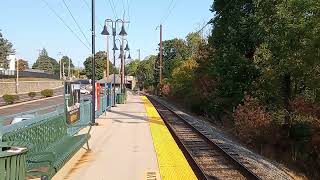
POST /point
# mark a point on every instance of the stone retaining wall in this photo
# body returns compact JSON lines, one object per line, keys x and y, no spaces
{"x":28,"y":86}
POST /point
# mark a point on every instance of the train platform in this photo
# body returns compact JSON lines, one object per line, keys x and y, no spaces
{"x":130,"y":143}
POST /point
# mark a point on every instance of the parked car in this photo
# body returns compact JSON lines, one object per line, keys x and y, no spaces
{"x":84,"y":91}
{"x":22,"y":118}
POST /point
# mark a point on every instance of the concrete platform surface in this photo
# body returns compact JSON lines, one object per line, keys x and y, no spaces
{"x":121,"y":147}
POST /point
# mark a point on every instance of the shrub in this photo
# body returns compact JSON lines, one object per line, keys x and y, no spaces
{"x":300,"y":131}
{"x":9,"y":99}
{"x":251,"y":120}
{"x":47,"y":93}
{"x":165,"y":89}
{"x":32,"y":94}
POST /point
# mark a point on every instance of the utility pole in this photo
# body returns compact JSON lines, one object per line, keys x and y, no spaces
{"x":161,"y":53}
{"x":69,"y":69}
{"x":78,"y":70}
{"x":93,"y":113}
{"x":64,"y":78}
{"x":139,"y":54}
{"x":60,"y":58}
{"x":17,"y":78}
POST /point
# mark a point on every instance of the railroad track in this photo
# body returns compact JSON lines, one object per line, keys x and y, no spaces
{"x":208,"y":159}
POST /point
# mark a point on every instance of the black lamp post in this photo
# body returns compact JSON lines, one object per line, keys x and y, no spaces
{"x":114,"y":34}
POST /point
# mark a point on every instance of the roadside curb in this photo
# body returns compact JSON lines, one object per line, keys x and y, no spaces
{"x":28,"y":102}
{"x":25,"y":93}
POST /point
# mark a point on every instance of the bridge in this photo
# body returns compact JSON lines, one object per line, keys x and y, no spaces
{"x":142,"y":137}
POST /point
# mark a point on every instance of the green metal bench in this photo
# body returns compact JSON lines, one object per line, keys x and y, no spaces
{"x":48,"y":142}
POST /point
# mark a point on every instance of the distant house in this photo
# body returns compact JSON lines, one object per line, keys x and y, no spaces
{"x":12,"y":63}
{"x":130,"y":81}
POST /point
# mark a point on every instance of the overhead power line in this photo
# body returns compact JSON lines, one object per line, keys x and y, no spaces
{"x":123,"y":6}
{"x":87,"y":4}
{"x":170,"y":8}
{"x":75,"y":21}
{"x":224,"y":8}
{"x":128,"y":8}
{"x":113,"y":8}
{"x":65,"y":24}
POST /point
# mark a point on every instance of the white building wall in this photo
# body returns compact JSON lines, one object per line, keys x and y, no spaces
{"x":12,"y":62}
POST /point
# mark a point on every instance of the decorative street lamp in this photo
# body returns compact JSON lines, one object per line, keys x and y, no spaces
{"x":122,"y":33}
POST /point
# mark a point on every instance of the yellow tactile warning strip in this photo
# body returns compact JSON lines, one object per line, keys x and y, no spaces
{"x":171,"y":161}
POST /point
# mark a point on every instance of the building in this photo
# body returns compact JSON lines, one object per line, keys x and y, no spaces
{"x":130,"y":81}
{"x":12,"y":63}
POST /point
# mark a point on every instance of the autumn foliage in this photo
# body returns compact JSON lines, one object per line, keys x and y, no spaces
{"x":251,"y":120}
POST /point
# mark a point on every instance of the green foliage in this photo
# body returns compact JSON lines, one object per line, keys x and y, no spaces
{"x":145,"y":73}
{"x":234,"y":41}
{"x":289,"y":49}
{"x":183,"y":77}
{"x":10,"y":99}
{"x":47,"y":93}
{"x":101,"y":64}
{"x":194,"y":42}
{"x":65,"y":60}
{"x":5,"y":50}
{"x":32,"y":94}
{"x":300,"y":131}
{"x":23,"y":65}
{"x":174,"y":52}
{"x":131,"y":67}
{"x":44,"y":62}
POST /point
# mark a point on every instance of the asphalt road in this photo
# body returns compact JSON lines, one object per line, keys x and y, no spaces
{"x":31,"y":106}
{"x":25,"y":97}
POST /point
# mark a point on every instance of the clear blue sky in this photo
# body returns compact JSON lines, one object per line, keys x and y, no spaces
{"x":31,"y":25}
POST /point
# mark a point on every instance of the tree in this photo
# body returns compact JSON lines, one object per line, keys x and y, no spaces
{"x":65,"y":60}
{"x":5,"y":50}
{"x":23,"y":65}
{"x":288,"y":56}
{"x":145,"y":72}
{"x":183,"y":78}
{"x":101,"y":64}
{"x":44,"y":62}
{"x":131,"y":67}
{"x":194,"y":41}
{"x":234,"y":40}
{"x":174,"y":52}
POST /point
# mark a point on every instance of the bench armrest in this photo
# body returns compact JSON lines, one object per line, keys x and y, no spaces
{"x":80,"y":125}
{"x":83,"y":125}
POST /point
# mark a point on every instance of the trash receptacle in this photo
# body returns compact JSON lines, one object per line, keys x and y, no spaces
{"x":12,"y":162}
{"x":120,"y":98}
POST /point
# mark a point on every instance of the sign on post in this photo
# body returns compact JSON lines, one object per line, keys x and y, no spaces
{"x":72,"y":102}
{"x":97,"y":93}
